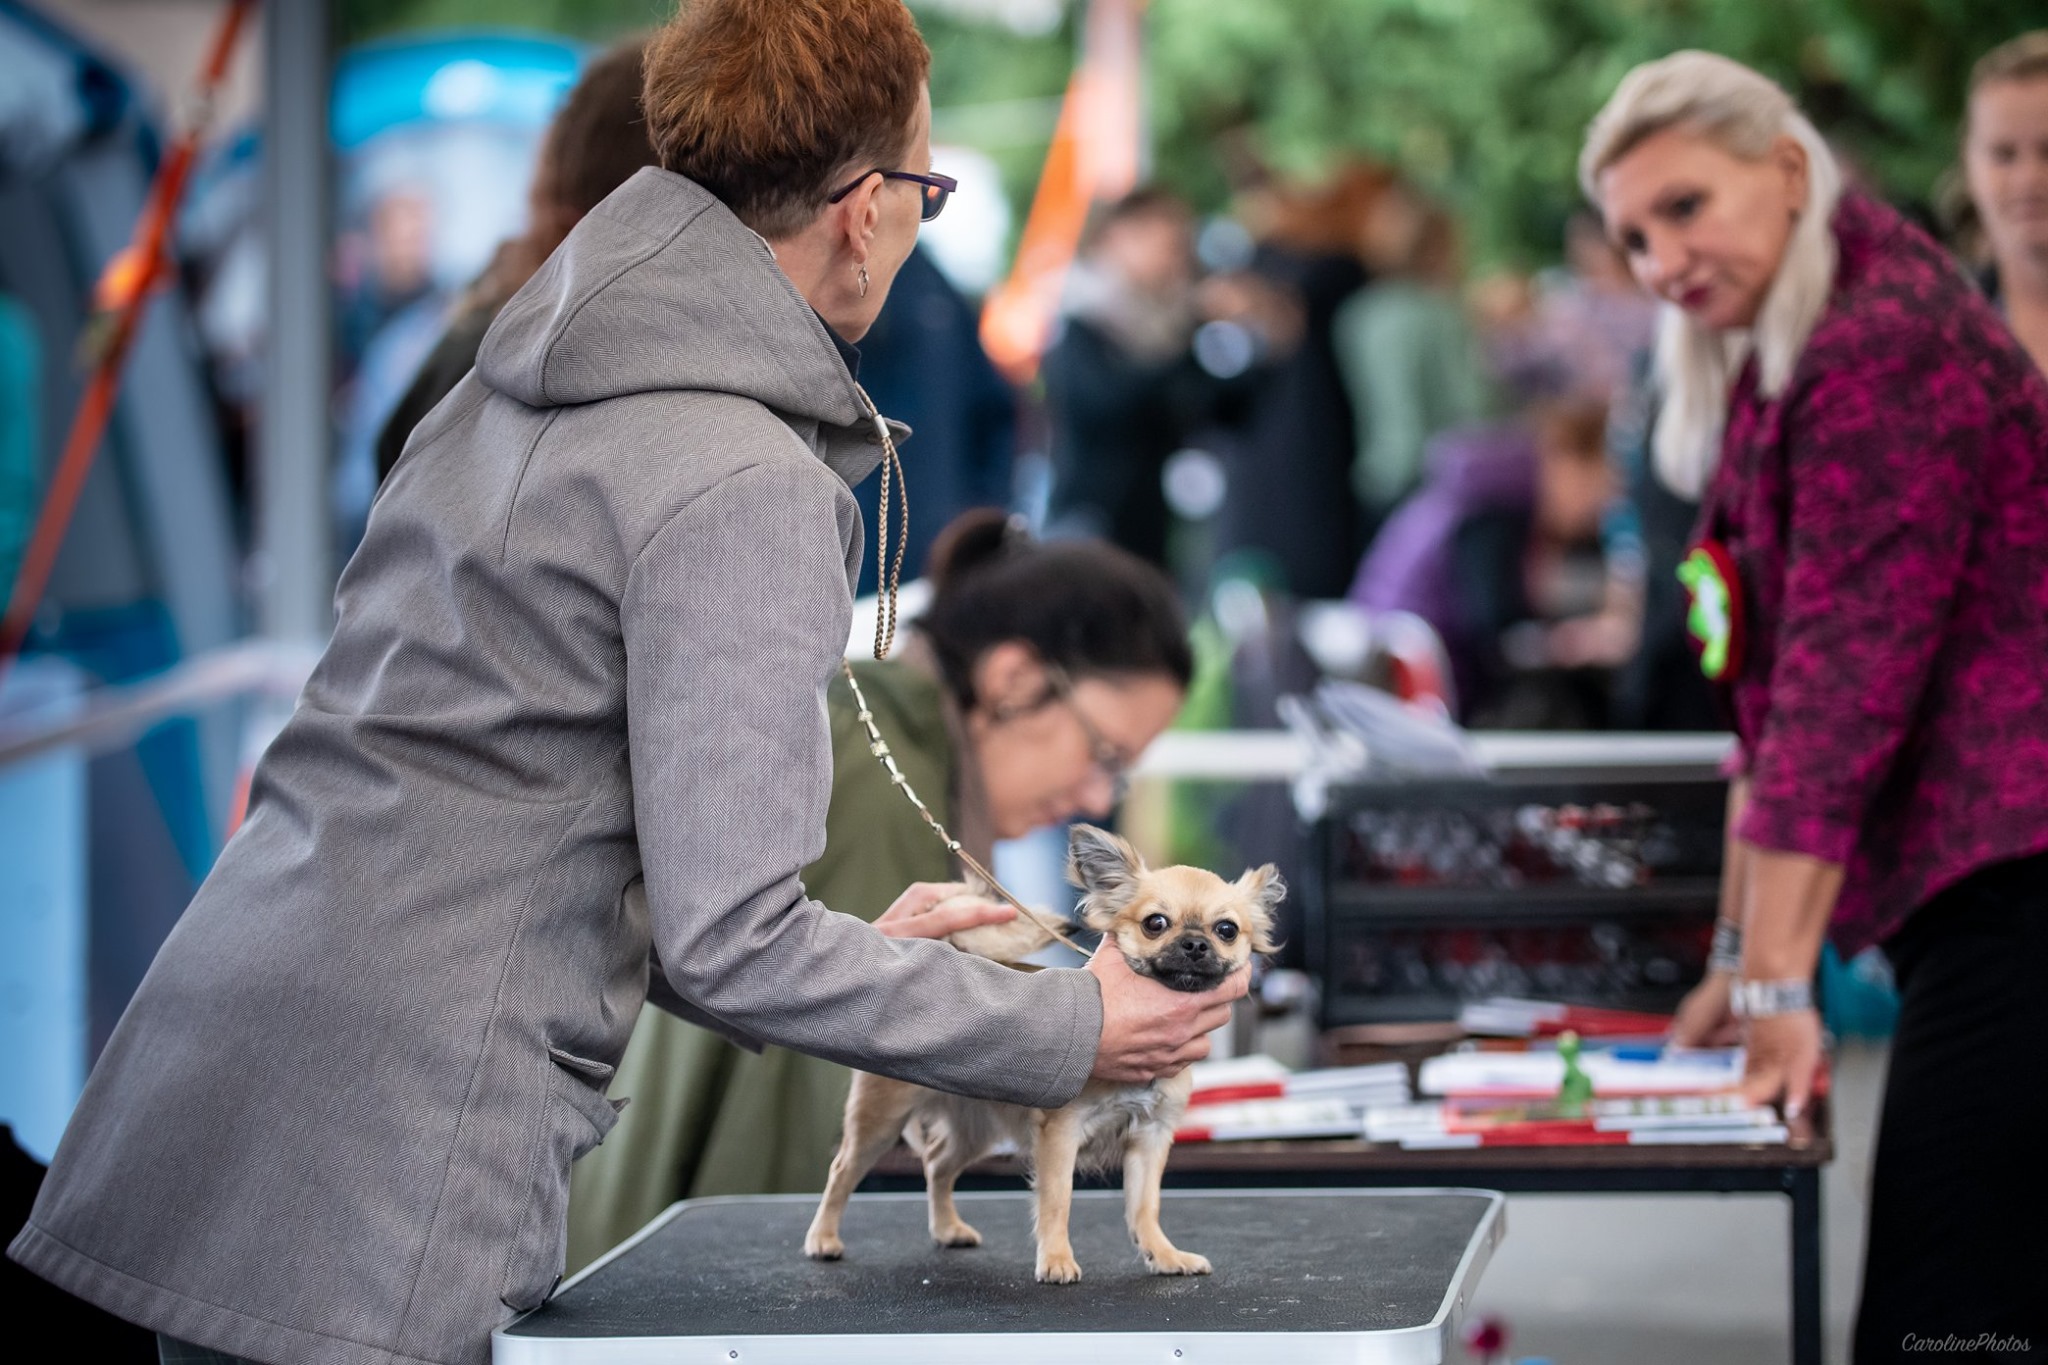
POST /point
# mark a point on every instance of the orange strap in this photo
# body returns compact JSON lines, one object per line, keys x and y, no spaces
{"x":130,"y":278}
{"x":1094,"y":155}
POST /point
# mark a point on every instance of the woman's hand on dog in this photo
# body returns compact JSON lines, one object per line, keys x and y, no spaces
{"x":1148,"y":1030}
{"x":936,"y":909}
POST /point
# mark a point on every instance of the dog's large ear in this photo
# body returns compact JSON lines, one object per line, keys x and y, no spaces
{"x":1106,"y":869}
{"x":1263,"y":889}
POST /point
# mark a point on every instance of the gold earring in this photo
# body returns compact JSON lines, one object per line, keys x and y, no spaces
{"x":863,"y":281}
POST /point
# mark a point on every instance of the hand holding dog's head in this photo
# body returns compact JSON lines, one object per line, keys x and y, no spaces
{"x":1183,"y":926}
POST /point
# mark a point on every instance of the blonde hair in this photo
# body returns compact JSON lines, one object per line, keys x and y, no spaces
{"x":2024,"y":58}
{"x":1745,"y":114}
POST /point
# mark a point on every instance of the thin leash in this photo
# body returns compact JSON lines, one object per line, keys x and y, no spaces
{"x":888,"y":574}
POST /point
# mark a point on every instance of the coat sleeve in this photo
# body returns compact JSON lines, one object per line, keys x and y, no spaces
{"x":1879,"y":527}
{"x":661,"y":993}
{"x":735,"y":617}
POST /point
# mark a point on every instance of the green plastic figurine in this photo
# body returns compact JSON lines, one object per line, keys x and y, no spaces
{"x":1577,"y":1090}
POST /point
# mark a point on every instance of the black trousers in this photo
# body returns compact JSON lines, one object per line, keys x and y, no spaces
{"x":1957,"y":1262}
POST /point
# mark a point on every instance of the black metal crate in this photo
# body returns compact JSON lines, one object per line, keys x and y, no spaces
{"x":1591,"y":890}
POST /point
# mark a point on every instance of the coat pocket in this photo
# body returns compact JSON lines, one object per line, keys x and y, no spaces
{"x":574,"y":1119}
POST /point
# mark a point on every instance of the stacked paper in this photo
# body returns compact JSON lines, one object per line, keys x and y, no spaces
{"x":1259,"y":1077}
{"x":1255,"y":1120}
{"x":1510,"y":1099}
{"x":1243,"y":1098}
{"x":1688,"y":1120}
{"x":1256,"y":1066}
{"x":1537,"y":1075}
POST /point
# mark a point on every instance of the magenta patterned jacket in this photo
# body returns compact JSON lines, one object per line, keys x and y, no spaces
{"x":1888,"y":517}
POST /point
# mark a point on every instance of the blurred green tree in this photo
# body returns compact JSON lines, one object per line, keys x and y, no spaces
{"x":1484,"y":101}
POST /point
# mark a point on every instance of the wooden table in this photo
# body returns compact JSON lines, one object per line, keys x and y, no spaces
{"x":1791,"y":1168}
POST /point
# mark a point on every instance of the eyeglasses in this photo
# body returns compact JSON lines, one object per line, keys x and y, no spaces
{"x":937,"y":189}
{"x":1107,"y":756}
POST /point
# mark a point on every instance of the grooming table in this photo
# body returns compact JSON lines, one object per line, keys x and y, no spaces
{"x":1376,"y":1277}
{"x":1791,"y":1168}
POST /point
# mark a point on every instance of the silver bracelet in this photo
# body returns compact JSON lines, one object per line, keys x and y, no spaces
{"x":1726,"y":953}
{"x":1769,"y":999}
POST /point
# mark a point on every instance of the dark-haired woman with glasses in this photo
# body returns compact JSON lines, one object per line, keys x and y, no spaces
{"x":567,"y":750}
{"x":1032,"y":683}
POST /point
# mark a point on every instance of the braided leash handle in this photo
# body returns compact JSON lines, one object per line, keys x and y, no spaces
{"x":888,"y":576}
{"x":888,"y":571}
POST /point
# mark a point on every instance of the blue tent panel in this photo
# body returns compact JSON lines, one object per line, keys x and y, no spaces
{"x":489,"y":77}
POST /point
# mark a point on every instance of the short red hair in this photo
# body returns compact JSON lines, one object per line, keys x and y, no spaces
{"x":765,"y":102}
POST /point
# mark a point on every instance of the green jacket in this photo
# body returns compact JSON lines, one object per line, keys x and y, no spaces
{"x":707,"y":1117}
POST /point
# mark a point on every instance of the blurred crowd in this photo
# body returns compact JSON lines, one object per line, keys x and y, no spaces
{"x":1311,"y":398}
{"x":1308,"y":399}
{"x":1315,"y":397}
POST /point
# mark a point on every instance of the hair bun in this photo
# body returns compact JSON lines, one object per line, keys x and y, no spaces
{"x":970,"y":542}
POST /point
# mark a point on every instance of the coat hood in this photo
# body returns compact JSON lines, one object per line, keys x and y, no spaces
{"x":661,"y":288}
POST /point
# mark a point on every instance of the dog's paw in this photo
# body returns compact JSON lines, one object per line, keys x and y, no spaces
{"x":1174,"y":1262}
{"x":956,"y":1234}
{"x":823,"y":1246}
{"x":1058,"y":1267}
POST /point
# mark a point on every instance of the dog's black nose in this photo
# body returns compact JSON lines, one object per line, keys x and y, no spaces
{"x":1194,"y":946}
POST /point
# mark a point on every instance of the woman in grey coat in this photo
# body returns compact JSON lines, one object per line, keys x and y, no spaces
{"x":571,"y":726}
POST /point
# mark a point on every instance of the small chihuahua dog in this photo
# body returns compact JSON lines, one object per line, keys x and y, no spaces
{"x":1183,"y":927}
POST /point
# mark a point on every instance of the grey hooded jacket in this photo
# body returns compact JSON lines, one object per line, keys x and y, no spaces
{"x":571,"y":721}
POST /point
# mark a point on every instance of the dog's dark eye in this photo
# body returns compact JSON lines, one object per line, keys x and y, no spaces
{"x":1155,"y":925}
{"x":1225,"y":931}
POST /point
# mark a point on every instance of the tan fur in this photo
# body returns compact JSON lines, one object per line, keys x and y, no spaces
{"x":1102,"y":1122}
{"x":1010,"y":942}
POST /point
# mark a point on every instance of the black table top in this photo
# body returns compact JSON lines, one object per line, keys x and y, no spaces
{"x":1286,"y":1262}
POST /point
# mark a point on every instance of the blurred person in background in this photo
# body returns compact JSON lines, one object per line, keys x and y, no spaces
{"x":1289,"y":442}
{"x":1868,"y":590}
{"x":1121,"y":388}
{"x":2005,"y":164}
{"x":596,"y":142}
{"x":1583,"y":332}
{"x":1036,"y":676}
{"x":1585,"y":329}
{"x":1489,"y":550}
{"x":1645,"y":537}
{"x":567,"y":750}
{"x":923,"y":364}
{"x":387,"y":327}
{"x":384,"y":268}
{"x":1411,"y":360}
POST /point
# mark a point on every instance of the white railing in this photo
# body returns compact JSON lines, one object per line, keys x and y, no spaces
{"x":1280,"y":756}
{"x":114,"y":716}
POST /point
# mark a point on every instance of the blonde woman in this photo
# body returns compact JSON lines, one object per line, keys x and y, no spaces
{"x":1870,"y":592}
{"x":2005,"y":162}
